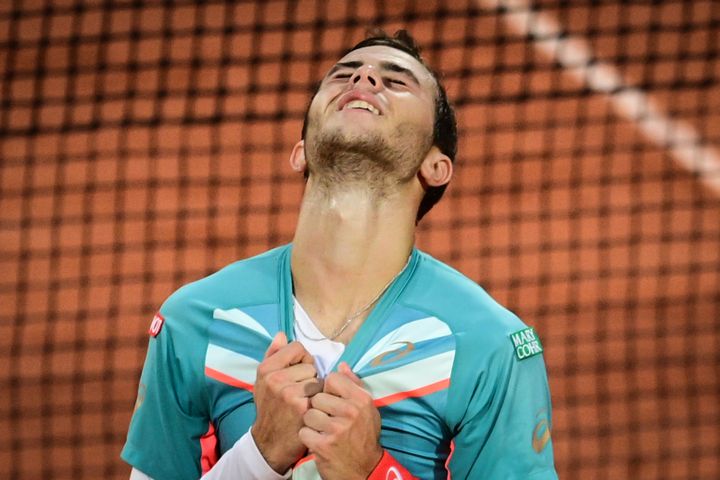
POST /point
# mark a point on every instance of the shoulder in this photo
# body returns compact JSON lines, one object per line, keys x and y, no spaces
{"x":181,"y":329}
{"x":495,"y":355}
{"x":253,"y":280}
{"x":468,"y":310}
{"x":187,"y":313}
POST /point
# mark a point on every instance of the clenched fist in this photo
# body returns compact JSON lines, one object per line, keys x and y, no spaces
{"x":286,"y":380}
{"x":342,"y":428}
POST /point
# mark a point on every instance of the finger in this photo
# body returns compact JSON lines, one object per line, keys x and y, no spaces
{"x":340,"y":385}
{"x":310,"y":438}
{"x":305,"y":389}
{"x":298,"y":372}
{"x":287,"y":355}
{"x":311,"y":387}
{"x":330,"y":404}
{"x":345,"y":369}
{"x":317,"y":420}
{"x":304,"y":356}
{"x":277,"y":343}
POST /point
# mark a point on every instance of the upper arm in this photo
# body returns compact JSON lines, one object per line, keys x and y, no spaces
{"x":505,"y":430}
{"x":164,"y":435}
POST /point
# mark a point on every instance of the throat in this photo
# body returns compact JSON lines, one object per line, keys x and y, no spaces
{"x":346,"y":253}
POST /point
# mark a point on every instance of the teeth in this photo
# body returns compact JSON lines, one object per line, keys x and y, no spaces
{"x":363,"y":105}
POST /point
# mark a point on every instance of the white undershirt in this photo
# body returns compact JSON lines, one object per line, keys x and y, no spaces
{"x":325,"y":351}
{"x":244,"y":460}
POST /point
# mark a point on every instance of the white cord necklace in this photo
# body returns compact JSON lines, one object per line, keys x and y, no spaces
{"x":355,"y":315}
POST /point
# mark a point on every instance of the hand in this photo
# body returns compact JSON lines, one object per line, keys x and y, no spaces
{"x":286,"y":379}
{"x":342,"y":428}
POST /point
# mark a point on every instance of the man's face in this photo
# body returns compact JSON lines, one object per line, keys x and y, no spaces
{"x":373,"y":114}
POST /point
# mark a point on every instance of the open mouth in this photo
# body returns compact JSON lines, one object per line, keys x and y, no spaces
{"x":361,"y":105}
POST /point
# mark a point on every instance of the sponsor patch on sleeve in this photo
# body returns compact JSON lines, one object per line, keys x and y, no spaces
{"x":526,"y":343}
{"x":156,"y":325}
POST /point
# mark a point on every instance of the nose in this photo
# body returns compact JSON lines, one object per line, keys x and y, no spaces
{"x":366,"y":76}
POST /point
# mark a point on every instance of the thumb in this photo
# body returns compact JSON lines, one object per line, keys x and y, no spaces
{"x":277,"y":343}
{"x":345,"y":369}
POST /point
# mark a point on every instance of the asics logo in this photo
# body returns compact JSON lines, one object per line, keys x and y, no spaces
{"x":393,"y":355}
{"x":393,"y":474}
{"x":541,"y":436}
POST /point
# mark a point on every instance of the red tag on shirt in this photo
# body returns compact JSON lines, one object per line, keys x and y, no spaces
{"x":156,"y":325}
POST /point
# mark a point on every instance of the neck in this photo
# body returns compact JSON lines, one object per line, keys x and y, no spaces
{"x":348,"y":245}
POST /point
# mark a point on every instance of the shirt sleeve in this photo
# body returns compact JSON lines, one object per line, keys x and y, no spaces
{"x":244,"y":460}
{"x":505,"y":431}
{"x":163,"y":440}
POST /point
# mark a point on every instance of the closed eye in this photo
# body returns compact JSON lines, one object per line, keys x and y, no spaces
{"x":395,"y":83}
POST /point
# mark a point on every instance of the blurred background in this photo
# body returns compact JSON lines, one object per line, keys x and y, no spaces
{"x":144,"y":144}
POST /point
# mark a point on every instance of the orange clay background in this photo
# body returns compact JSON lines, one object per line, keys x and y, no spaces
{"x":144,"y":146}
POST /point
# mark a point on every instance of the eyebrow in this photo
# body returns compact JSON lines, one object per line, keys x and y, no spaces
{"x":389,"y":66}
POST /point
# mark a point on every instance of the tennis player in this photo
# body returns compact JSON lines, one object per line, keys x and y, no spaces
{"x":348,"y":354}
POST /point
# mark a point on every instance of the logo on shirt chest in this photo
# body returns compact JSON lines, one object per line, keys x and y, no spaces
{"x":393,"y":355}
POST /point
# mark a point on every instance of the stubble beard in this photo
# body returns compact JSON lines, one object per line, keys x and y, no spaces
{"x":339,"y":161}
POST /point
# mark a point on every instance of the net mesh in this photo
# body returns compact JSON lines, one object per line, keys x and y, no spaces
{"x":144,"y":145}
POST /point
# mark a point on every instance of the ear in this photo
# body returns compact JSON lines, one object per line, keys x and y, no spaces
{"x":297,"y":157}
{"x":436,"y":169}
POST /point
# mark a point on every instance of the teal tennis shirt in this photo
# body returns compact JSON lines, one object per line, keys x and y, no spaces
{"x":459,"y":381}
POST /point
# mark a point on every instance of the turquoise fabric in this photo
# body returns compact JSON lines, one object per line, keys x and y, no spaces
{"x":435,"y":353}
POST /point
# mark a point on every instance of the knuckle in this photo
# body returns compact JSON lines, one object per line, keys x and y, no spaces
{"x":316,"y":399}
{"x":303,"y":369}
{"x":308,"y":415}
{"x":299,"y":405}
{"x":286,"y":394}
{"x":277,"y":377}
{"x":302,"y":407}
{"x":351,"y":411}
{"x":331,"y":380}
{"x":303,"y":434}
{"x":295,"y":347}
{"x":334,"y":428}
{"x":324,"y":443}
{"x":367,"y":402}
{"x":262,"y":369}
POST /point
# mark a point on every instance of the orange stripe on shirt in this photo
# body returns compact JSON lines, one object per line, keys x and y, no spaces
{"x":221,"y":377}
{"x":418,"y":392}
{"x":305,"y":460}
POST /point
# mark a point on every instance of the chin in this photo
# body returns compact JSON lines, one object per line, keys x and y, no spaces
{"x":355,"y":130}
{"x":341,"y":158}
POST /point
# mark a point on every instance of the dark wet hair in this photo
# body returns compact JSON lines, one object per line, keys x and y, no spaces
{"x":445,"y":125}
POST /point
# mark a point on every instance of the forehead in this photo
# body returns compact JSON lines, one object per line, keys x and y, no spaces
{"x":377,"y":55}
